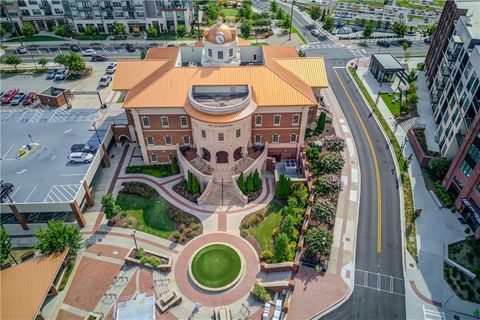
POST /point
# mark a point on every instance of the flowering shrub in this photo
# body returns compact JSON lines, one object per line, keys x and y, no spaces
{"x":333,"y":143}
{"x":317,"y":242}
{"x":323,"y":210}
{"x":328,"y":184}
{"x":331,"y":162}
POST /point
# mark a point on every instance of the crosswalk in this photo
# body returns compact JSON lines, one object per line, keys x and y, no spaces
{"x":356,"y":52}
{"x":319,"y":45}
{"x":380,"y":282}
{"x":429,"y":314}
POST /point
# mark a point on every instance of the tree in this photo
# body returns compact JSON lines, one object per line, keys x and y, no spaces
{"x":273,"y":6}
{"x":432,"y":29}
{"x":241,"y":183}
{"x":118,"y":29}
{"x":5,"y":245}
{"x":13,"y":61}
{"x":399,"y":28}
{"x":90,"y":30}
{"x":412,"y":76}
{"x":286,"y":23}
{"x":110,"y":207}
{"x":283,"y":187}
{"x":257,"y":182}
{"x":280,"y":14}
{"x":406,"y":55}
{"x":333,"y":143}
{"x":323,"y":16}
{"x":369,"y":27}
{"x":74,"y":62}
{"x":249,"y":183}
{"x":181,"y":30}
{"x":331,"y":162}
{"x":439,"y":167}
{"x":260,"y":293}
{"x":43,"y":62}
{"x":28,"y":29}
{"x":301,"y":194}
{"x":60,"y":30}
{"x":57,"y":237}
{"x":328,"y":184}
{"x":211,"y":10}
{"x":317,"y":242}
{"x":323,"y":210}
{"x":321,"y":122}
{"x":288,"y":228}
{"x":246,"y":29}
{"x":315,"y":12}
{"x":329,"y":24}
{"x":245,"y":12}
{"x":143,"y":53}
{"x":152,"y":32}
{"x":281,"y":248}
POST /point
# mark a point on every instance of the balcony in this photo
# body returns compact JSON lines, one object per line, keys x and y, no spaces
{"x":220,"y":99}
{"x":440,"y":84}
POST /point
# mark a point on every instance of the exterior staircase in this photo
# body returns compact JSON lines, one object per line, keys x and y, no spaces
{"x":202,"y":166}
{"x":230,"y":197}
{"x":266,"y":277}
{"x":243,"y":165}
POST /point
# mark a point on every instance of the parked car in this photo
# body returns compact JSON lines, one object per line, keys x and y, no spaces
{"x":74,"y":48}
{"x":61,"y":74}
{"x":315,"y":32}
{"x":112,"y":67}
{"x":105,"y":81}
{"x":383,"y":43}
{"x":89,"y":52}
{"x":84,"y":147}
{"x":9,"y":95}
{"x":130,"y":48}
{"x":402,"y":41}
{"x":427,"y":40}
{"x":30,"y":98}
{"x":98,"y":57}
{"x":79,"y":157}
{"x":51,"y":73}
{"x":22,"y":50}
{"x":18,"y":98}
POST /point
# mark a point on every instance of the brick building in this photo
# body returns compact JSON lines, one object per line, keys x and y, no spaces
{"x":221,"y":106}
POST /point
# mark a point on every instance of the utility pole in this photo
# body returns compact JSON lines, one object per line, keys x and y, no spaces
{"x":13,"y":26}
{"x":291,"y":21}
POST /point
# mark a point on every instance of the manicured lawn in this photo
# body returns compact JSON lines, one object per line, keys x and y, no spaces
{"x":151,"y":214}
{"x":171,"y":37}
{"x":156,"y":170}
{"x":216,"y":265}
{"x":394,"y":107}
{"x":263,"y":232}
{"x":94,"y":37}
{"x":230,"y":12}
{"x":35,"y":38}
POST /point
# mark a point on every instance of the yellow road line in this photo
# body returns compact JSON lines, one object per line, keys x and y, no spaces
{"x":375,"y":164}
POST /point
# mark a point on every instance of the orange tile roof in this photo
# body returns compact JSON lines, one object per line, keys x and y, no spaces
{"x":131,"y":72}
{"x":275,"y":52}
{"x":309,"y":70}
{"x":162,"y":53}
{"x":24,"y":287}
{"x":241,"y":43}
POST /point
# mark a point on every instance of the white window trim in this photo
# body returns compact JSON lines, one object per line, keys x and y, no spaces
{"x":161,"y":121}
{"x":143,"y":122}
{"x":296,"y":123}
{"x":153,"y":141}
{"x":183,"y":139}
{"x":218,"y":137}
{"x":260,"y":140}
{"x":278,"y":140}
{"x":261,"y":121}
{"x":186,"y":120}
{"x":239,"y":136}
{"x":279,"y":122}
{"x":165,"y":140}
{"x":296,"y":138}
{"x":151,"y":157}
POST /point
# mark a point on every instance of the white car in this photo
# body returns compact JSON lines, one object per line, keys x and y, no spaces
{"x":89,"y":52}
{"x":105,"y":81}
{"x":315,"y":32}
{"x":112,"y":67}
{"x":79,"y":157}
{"x":61,"y":74}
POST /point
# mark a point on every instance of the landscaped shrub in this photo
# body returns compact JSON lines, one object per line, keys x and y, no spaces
{"x":156,"y":170}
{"x":331,"y":162}
{"x":321,"y":122}
{"x":288,"y":228}
{"x":177,"y":235}
{"x":249,"y":183}
{"x":328,"y":184}
{"x":281,"y":248}
{"x":241,"y":183}
{"x":174,"y":167}
{"x":333,"y":143}
{"x":260,"y":293}
{"x":267,"y":256}
{"x":300,"y":192}
{"x":317,"y":242}
{"x":438,"y":167}
{"x":313,"y":153}
{"x":323,"y":210}
{"x":110,"y":206}
{"x":193,"y":186}
{"x":257,"y":182}
{"x":140,"y":189}
{"x":283,"y":187}
{"x":443,"y":195}
{"x":292,"y":209}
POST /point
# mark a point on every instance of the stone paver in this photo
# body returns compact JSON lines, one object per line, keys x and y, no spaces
{"x":107,"y":251}
{"x":65,"y":315}
{"x":224,"y":298}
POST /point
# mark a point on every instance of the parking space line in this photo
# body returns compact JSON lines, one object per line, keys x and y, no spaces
{"x":13,"y":145}
{"x":14,"y":192}
{"x":30,"y":193}
{"x":49,"y":50}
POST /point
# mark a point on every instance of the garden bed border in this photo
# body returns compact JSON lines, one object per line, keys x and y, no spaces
{"x":166,"y":267}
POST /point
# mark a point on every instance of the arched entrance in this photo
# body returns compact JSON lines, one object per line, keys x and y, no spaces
{"x":237,"y":154}
{"x":206,"y":154}
{"x":124,"y":140}
{"x":222,"y":157}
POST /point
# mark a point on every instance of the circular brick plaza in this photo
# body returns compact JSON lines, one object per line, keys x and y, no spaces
{"x":195,"y":294}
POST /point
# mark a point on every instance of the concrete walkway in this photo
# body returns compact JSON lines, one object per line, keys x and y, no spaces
{"x":426,"y":290}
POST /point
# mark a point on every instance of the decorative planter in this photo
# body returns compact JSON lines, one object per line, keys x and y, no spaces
{"x":165,"y":262}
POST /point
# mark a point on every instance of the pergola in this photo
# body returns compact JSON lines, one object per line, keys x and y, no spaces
{"x":384,"y":67}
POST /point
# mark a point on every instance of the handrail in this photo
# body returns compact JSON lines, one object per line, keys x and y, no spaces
{"x":206,"y":191}
{"x":185,"y":164}
{"x":261,"y":158}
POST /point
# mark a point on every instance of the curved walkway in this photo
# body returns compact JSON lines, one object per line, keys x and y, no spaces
{"x":212,"y":299}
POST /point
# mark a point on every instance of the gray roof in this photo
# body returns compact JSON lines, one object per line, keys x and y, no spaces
{"x":388,"y":62}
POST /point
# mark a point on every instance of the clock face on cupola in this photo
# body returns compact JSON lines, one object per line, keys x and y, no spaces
{"x":219,"y":38}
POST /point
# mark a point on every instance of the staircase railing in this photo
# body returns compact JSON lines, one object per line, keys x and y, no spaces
{"x":203,"y":197}
{"x":202,"y":178}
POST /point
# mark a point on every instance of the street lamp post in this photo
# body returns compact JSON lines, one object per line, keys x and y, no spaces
{"x":96,"y":132}
{"x":134,"y":239}
{"x":31,"y":139}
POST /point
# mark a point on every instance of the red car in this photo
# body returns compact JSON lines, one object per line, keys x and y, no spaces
{"x":9,"y":95}
{"x":30,"y":98}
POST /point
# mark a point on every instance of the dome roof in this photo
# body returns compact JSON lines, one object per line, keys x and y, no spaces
{"x":229,"y":33}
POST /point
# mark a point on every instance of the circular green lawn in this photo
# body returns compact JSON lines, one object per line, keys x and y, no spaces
{"x":216,"y":266}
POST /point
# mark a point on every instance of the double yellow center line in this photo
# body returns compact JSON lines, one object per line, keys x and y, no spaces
{"x":375,"y":164}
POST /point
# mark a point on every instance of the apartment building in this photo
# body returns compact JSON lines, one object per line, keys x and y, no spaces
{"x":136,"y":15}
{"x":455,"y":88}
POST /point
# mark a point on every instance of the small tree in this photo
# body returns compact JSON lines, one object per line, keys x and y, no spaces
{"x":74,"y":62}
{"x":28,"y":29}
{"x":249,"y":183}
{"x":257,"y":182}
{"x":143,"y":54}
{"x":301,"y":194}
{"x":61,"y":59}
{"x":323,"y":16}
{"x":90,"y":31}
{"x":315,"y":12}
{"x":211,"y":10}
{"x":399,"y":28}
{"x":152,"y":32}
{"x":110,"y":207}
{"x":412,"y":76}
{"x":43,"y":62}
{"x":118,"y":29}
{"x":317,"y":242}
{"x":189,"y":182}
{"x":328,"y":184}
{"x":333,"y":143}
{"x":273,"y":6}
{"x":181,"y":30}
{"x":321,"y":122}
{"x":246,"y":29}
{"x":439,"y":167}
{"x":331,"y":162}
{"x":288,"y":228}
{"x":281,"y":248}
{"x":13,"y":61}
{"x":5,"y":245}
{"x":174,"y":167}
{"x":369,"y":27}
{"x":260,"y":293}
{"x":283,"y":187}
{"x":60,"y":30}
{"x":241,"y":183}
{"x":329,"y":24}
{"x":323,"y":210}
{"x":57,"y":237}
{"x":286,"y":23}
{"x":280,"y":15}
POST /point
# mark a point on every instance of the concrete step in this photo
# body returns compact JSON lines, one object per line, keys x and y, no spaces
{"x":230,"y":197}
{"x":201,"y":166}
{"x":243,"y":165}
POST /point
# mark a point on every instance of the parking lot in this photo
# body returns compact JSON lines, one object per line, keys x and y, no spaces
{"x":104,"y":49}
{"x":44,"y":175}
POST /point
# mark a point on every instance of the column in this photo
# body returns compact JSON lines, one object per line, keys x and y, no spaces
{"x":78,"y":213}
{"x":141,"y":140}
{"x":106,"y":159}
{"x":19,"y":216}
{"x":88,"y":195}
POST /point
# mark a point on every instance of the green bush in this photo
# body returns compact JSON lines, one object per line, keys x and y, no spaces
{"x":267,"y":256}
{"x":140,"y":189}
{"x":260,"y":293}
{"x":321,"y":122}
{"x":333,"y":143}
{"x":176,"y":235}
{"x":438,"y":167}
{"x":283,"y":187}
{"x":241,"y":183}
{"x":331,"y":162}
{"x":328,"y":184}
{"x":300,"y":192}
{"x":249,"y":183}
{"x":323,"y":210}
{"x":281,"y":248}
{"x":317,"y":242}
{"x":443,"y":195}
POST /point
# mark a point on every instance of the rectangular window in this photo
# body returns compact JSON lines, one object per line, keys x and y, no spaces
{"x":230,"y":52}
{"x":296,"y":119}
{"x":36,"y":12}
{"x":168,"y":140}
{"x":258,"y":121}
{"x":117,"y":5}
{"x":165,"y":122}
{"x":258,"y":138}
{"x":186,"y":140}
{"x":204,"y":134}
{"x":458,"y":182}
{"x":140,"y":14}
{"x":275,"y":138}
{"x":238,"y":133}
{"x":150,"y":140}
{"x":466,"y":168}
{"x":183,"y":122}
{"x":58,"y":11}
{"x":276,"y":120}
{"x":118,"y":14}
{"x":153,"y":157}
{"x":293,"y":138}
{"x":146,"y":121}
{"x":221,"y":137}
{"x":220,"y":55}
{"x":210,"y":53}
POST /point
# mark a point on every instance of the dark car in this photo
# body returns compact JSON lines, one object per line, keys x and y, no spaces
{"x":383,"y":43}
{"x":75,"y":48}
{"x":99,"y":57}
{"x":51,"y":73}
{"x":30,"y":98}
{"x":18,"y":99}
{"x":84,"y":147}
{"x":427,"y":40}
{"x":402,"y":41}
{"x":130,"y":48}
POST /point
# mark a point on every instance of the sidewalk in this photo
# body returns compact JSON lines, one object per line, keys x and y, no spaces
{"x":436,"y":227}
